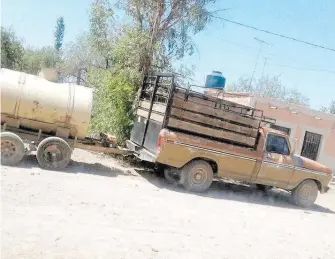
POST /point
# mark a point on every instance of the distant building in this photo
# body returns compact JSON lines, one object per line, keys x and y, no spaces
{"x":313,"y":130}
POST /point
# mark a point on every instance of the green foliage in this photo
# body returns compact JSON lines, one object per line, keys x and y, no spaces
{"x":59,"y":33}
{"x":11,"y":50}
{"x":168,"y":26}
{"x":113,"y":99}
{"x":35,"y":59}
{"x":128,"y":47}
{"x":269,"y":87}
{"x":101,"y":17}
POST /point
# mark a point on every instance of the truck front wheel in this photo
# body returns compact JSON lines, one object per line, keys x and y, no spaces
{"x":53,"y":153}
{"x":197,"y":176}
{"x":304,"y":195}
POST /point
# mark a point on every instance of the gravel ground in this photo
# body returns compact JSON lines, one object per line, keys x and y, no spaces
{"x":98,"y":208}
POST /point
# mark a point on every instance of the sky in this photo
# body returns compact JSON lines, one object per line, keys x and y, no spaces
{"x":225,"y":47}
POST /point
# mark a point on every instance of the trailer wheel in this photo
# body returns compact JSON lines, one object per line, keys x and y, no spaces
{"x":53,"y":153}
{"x":12,"y":148}
{"x":304,"y":195}
{"x":197,"y":176}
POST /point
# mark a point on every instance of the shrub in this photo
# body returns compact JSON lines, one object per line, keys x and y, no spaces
{"x":112,"y":104}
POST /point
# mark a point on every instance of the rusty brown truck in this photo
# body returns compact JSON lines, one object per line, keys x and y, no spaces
{"x":195,"y":138}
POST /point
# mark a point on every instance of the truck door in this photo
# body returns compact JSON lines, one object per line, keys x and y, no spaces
{"x":277,"y":166}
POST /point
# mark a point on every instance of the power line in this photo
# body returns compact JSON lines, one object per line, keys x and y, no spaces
{"x":275,"y":55}
{"x":265,"y":61}
{"x":302,"y":68}
{"x":253,"y":49}
{"x":273,"y":33}
{"x":261,"y":42}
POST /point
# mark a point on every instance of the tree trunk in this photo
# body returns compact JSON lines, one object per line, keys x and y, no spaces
{"x":146,"y":60}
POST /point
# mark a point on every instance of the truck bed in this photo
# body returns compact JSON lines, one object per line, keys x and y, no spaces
{"x":163,"y":103}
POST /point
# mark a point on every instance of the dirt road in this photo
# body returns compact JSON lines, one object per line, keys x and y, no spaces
{"x":100,"y":209}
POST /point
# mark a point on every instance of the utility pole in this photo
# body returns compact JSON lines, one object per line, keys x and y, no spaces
{"x":265,"y":61}
{"x":261,"y":42}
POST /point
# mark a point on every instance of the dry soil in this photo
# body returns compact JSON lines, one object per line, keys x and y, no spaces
{"x":98,"y":208}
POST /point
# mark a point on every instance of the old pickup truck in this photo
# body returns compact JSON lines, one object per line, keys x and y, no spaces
{"x":195,"y":137}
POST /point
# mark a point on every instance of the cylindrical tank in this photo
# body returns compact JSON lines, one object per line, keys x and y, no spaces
{"x":33,"y":102}
{"x":215,"y":80}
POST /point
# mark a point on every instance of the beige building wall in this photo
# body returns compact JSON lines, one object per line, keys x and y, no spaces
{"x":297,"y":118}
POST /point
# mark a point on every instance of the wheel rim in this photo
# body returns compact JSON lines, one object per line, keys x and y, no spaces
{"x":52,"y":154}
{"x":8,"y":149}
{"x":305,"y":193}
{"x":198,"y":177}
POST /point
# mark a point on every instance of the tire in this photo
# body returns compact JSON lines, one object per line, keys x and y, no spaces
{"x":53,"y":153}
{"x":197,"y":176}
{"x":263,"y":188}
{"x":12,"y":148}
{"x":172,"y":175}
{"x":304,"y":195}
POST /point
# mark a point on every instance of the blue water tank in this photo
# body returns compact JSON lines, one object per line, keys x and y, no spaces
{"x":215,"y":80}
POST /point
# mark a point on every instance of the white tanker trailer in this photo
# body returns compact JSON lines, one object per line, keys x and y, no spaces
{"x":53,"y":118}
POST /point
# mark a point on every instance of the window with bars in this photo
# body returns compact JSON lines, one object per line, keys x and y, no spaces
{"x":282,"y":129}
{"x":311,"y":145}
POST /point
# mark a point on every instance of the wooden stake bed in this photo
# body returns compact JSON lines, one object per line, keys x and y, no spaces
{"x":182,"y":109}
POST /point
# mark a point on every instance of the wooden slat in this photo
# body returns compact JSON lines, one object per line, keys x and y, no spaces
{"x":195,"y":99}
{"x":191,"y":127}
{"x":155,"y":107}
{"x":154,"y":116}
{"x":177,"y":102}
{"x":211,"y":101}
{"x":159,"y":107}
{"x":213,"y":122}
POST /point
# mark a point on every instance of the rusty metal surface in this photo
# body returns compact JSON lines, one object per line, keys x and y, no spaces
{"x":239,"y":163}
{"x":40,"y":104}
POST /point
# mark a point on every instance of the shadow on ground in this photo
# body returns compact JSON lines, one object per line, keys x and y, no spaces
{"x":237,"y":192}
{"x":30,"y":161}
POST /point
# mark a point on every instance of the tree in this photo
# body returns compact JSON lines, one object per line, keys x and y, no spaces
{"x":100,"y":36}
{"x":11,"y":50}
{"x":169,"y":25}
{"x":36,"y":58}
{"x":59,"y":33}
{"x":330,"y":109}
{"x":269,"y":87}
{"x":159,"y":32}
{"x":77,"y":59}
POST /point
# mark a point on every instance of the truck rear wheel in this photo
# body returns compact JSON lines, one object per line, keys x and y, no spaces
{"x":197,"y":176}
{"x":12,"y":148}
{"x":53,"y":153}
{"x":304,"y":195}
